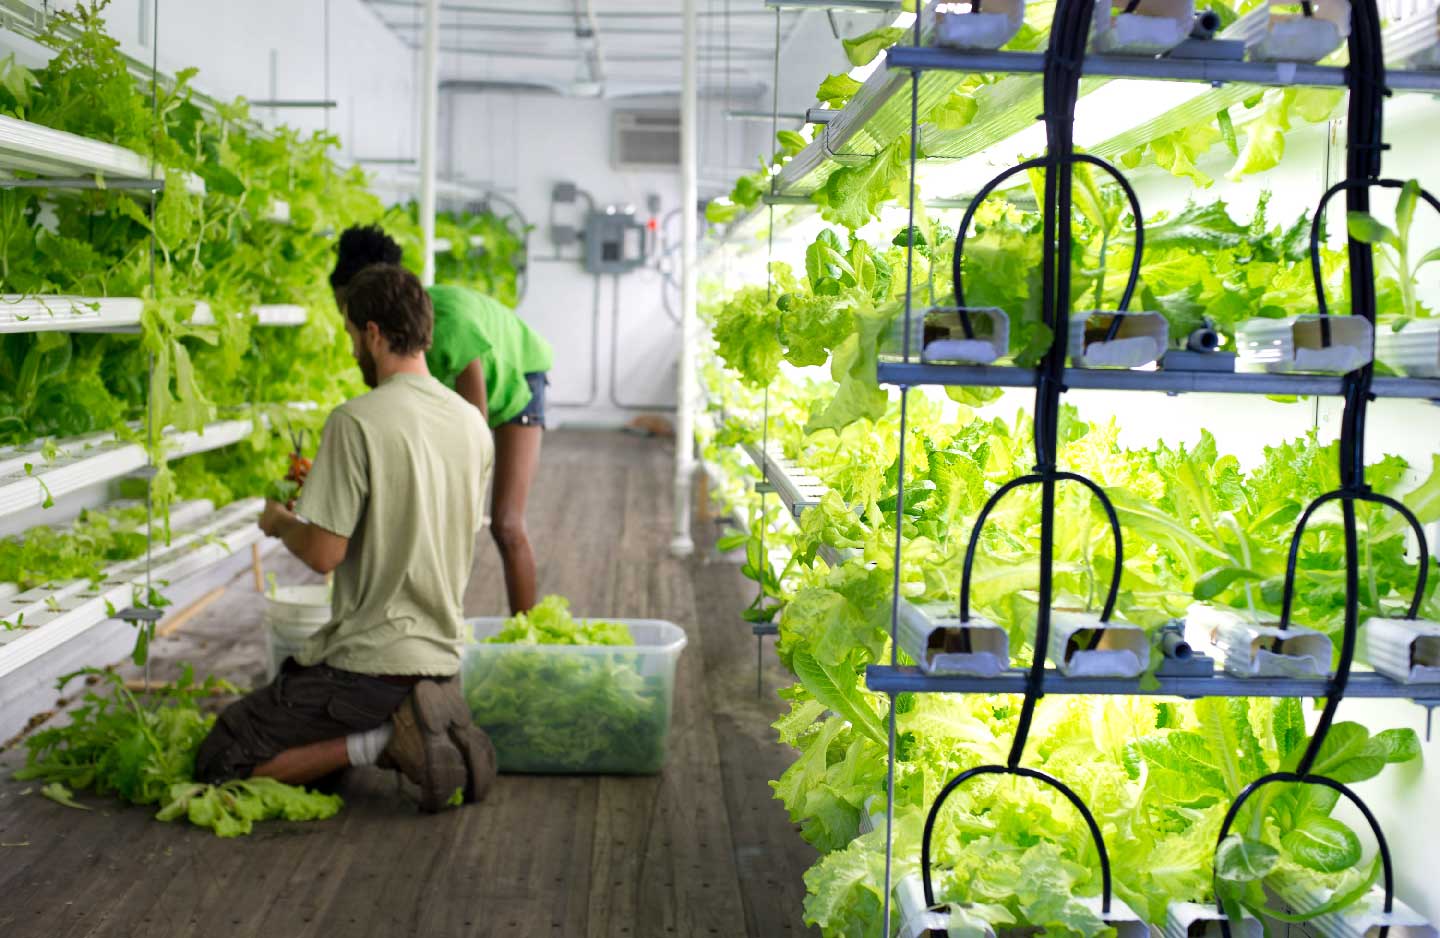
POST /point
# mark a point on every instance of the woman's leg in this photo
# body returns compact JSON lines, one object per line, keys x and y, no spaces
{"x":517,"y":455}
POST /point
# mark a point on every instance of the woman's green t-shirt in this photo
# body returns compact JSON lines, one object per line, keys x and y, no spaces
{"x":471,"y":325}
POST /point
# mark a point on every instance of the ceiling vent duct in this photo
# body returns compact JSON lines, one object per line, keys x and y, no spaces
{"x":645,"y":139}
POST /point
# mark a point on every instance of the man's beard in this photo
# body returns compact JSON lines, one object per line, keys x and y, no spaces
{"x":367,"y":367}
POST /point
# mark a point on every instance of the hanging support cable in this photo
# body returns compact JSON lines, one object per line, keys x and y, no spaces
{"x":763,"y":488}
{"x":147,"y":617}
{"x":910,"y":234}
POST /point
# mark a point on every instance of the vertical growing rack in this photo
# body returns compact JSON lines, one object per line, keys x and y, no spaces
{"x":1061,"y":67}
{"x":53,"y":629}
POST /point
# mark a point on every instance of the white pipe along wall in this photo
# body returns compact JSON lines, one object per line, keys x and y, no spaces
{"x":682,"y":545}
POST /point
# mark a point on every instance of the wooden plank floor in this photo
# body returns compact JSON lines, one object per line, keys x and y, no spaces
{"x":699,"y":850}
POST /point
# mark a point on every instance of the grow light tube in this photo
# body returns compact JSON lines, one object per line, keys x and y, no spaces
{"x":1113,"y":109}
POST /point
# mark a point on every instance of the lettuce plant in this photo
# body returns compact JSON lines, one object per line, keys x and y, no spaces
{"x":1394,"y":250}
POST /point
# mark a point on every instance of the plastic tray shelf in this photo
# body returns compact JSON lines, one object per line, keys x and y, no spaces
{"x":1366,"y":684}
{"x":797,"y":489}
{"x":89,"y":460}
{"x":115,"y":314}
{"x":270,"y":314}
{"x":183,"y":516}
{"x":54,"y":616}
{"x":46,"y":152}
{"x":873,"y":119}
{"x":67,"y":313}
{"x":915,"y":374}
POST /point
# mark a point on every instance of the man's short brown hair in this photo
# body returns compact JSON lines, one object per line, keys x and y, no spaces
{"x":391,"y":297}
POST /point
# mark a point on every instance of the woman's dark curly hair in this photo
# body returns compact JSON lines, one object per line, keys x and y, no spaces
{"x":361,"y":247}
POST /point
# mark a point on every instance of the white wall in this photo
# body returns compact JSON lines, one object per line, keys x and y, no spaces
{"x":372,"y":73}
{"x":522,"y":144}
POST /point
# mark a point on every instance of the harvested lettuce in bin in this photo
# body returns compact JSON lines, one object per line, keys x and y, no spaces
{"x":561,"y":695}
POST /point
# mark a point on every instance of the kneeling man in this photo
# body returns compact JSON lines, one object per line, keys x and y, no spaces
{"x":392,"y":506}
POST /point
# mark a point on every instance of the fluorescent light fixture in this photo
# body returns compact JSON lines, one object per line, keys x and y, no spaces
{"x":1114,"y":108}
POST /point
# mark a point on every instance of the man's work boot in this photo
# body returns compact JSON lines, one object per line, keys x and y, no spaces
{"x":423,"y":749}
{"x":479,"y":754}
{"x":474,"y":743}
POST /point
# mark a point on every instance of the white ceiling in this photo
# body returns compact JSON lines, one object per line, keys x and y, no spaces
{"x":616,"y":48}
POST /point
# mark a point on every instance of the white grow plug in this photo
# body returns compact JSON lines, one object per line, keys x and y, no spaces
{"x":1123,"y":650}
{"x":1141,"y":27}
{"x":1193,"y":920}
{"x":978,"y":24}
{"x":1414,"y":350}
{"x":916,"y":921}
{"x":940,"y":643}
{"x":1404,"y":650}
{"x":1104,"y":339}
{"x":1249,"y":650}
{"x":1307,"y":36}
{"x":972,"y":335}
{"x":1296,"y":344}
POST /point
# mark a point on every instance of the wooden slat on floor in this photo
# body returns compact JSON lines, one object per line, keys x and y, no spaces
{"x":701,"y":849}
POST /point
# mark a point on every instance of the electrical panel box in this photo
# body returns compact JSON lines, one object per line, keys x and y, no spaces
{"x":615,"y":242}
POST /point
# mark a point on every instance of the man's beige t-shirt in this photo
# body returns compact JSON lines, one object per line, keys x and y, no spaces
{"x":402,"y":473}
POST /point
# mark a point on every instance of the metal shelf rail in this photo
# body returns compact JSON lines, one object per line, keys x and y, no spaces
{"x":915,"y":374}
{"x":906,"y":59}
{"x":1366,"y":684}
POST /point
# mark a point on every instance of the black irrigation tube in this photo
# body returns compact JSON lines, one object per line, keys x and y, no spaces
{"x":1364,"y":145}
{"x":1068,"y":35}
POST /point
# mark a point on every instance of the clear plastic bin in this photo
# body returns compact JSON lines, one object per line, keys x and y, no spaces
{"x":575,"y":709}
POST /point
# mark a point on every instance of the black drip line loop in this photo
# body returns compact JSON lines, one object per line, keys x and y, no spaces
{"x":1043,"y":163}
{"x":1021,"y":772}
{"x":1316,"y":223}
{"x":1362,"y":288}
{"x":1338,"y":683}
{"x":1034,"y":684}
{"x":1064,"y":56}
{"x":1382,"y":847}
{"x":1365,"y":77}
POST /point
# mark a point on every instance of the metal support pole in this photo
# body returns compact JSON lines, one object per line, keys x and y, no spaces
{"x":682,"y":545}
{"x":429,"y":121}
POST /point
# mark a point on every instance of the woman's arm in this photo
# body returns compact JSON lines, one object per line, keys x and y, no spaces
{"x":471,"y":386}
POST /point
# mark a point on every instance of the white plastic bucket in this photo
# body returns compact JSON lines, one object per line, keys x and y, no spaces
{"x":292,"y":615}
